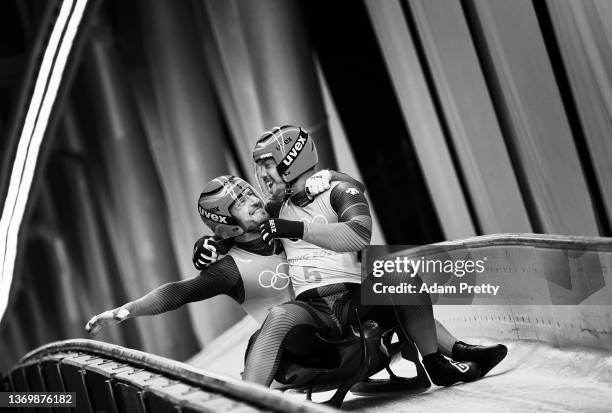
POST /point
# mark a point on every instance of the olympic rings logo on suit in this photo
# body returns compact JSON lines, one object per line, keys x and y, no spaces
{"x":277,"y":279}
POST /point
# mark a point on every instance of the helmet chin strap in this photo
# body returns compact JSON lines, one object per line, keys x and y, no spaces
{"x":288,"y":191}
{"x":300,"y":198}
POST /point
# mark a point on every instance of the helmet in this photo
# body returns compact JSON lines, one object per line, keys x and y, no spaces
{"x":215,"y":201}
{"x":292,"y":149}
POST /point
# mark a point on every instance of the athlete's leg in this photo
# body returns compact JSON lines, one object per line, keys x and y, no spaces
{"x":486,"y":356}
{"x":250,"y":344}
{"x":446,"y":340}
{"x":416,"y":319}
{"x":385,"y":314}
{"x":264,"y":355}
{"x":418,"y":323}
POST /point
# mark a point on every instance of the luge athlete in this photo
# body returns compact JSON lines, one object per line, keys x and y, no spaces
{"x":231,"y":208}
{"x":322,"y":236}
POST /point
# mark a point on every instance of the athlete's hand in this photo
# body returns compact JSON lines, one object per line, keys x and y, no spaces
{"x":110,"y":317}
{"x":280,"y":228}
{"x":318,"y":182}
{"x":205,"y":252}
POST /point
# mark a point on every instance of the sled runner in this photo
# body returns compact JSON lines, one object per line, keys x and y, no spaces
{"x":348,"y":363}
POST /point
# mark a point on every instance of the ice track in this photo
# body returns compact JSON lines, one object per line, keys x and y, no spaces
{"x":535,"y":376}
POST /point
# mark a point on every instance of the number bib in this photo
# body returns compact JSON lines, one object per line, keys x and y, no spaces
{"x":311,"y":266}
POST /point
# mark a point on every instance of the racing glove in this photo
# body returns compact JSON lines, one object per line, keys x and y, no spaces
{"x":110,"y":317}
{"x":318,"y":182}
{"x":280,"y":228}
{"x":205,"y":252}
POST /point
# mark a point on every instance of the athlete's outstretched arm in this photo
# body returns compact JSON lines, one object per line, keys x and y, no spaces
{"x":352,"y":232}
{"x":222,"y":277}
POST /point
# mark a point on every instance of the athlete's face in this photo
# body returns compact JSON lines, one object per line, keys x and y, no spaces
{"x":249,"y":210}
{"x":269,"y":180}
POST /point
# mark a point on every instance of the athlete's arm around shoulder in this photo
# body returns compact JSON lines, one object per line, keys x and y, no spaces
{"x":321,"y":181}
{"x":353,"y":230}
{"x":221,"y":277}
{"x":342,"y":177}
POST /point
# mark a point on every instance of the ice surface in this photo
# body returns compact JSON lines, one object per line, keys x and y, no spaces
{"x":534,"y":377}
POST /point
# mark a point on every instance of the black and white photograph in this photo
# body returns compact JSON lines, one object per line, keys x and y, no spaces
{"x":305,"y":206}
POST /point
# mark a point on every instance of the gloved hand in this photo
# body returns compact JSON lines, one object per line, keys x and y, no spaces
{"x":318,"y":182}
{"x":205,"y":252}
{"x":110,"y":317}
{"x":280,"y":228}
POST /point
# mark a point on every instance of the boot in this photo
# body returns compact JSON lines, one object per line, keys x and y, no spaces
{"x":444,"y":372}
{"x":487,"y":357}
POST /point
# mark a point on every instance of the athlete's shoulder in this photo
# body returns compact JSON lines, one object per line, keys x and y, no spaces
{"x":224,"y":272}
{"x":347,"y":195}
{"x":236,"y":252}
{"x":226,"y":264}
{"x":343,"y":187}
